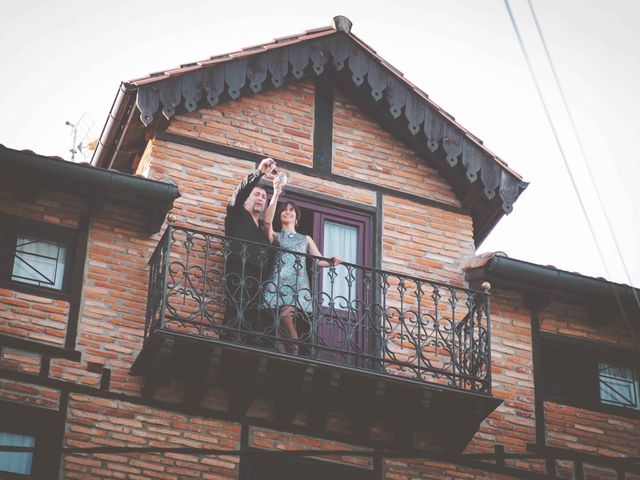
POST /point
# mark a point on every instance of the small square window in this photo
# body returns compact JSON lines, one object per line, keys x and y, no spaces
{"x":39,"y":262}
{"x":16,"y":462}
{"x":619,"y":385}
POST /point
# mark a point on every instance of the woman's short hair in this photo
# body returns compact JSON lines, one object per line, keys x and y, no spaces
{"x":283,"y":205}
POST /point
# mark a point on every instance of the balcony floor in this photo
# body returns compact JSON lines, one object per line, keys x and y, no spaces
{"x":313,"y":396}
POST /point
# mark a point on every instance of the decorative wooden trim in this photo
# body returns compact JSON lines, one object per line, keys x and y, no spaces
{"x":408,"y":106}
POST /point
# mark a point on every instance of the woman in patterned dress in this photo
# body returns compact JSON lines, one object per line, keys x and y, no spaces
{"x":287,"y":288}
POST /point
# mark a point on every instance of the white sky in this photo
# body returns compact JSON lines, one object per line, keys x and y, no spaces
{"x":59,"y":60}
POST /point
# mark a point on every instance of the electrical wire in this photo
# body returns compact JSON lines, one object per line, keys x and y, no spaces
{"x":585,"y":158}
{"x":567,"y":166}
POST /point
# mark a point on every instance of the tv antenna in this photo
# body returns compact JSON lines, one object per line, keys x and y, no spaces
{"x":84,"y":139}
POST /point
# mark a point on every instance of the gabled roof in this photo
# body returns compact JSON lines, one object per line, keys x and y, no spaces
{"x":483,"y":182}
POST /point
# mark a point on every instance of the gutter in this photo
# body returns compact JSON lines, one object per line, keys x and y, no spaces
{"x":24,"y":169}
{"x":512,"y":274}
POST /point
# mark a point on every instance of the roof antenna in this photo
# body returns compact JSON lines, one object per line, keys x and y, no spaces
{"x":85,"y":127}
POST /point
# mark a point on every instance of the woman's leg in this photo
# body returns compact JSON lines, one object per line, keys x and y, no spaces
{"x":287,"y":319}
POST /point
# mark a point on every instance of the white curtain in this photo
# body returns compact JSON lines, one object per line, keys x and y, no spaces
{"x":16,"y":462}
{"x":39,"y":262}
{"x":341,"y":241}
{"x":618,"y":385}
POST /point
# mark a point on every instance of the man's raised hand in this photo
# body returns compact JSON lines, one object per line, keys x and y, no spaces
{"x":267,"y":165}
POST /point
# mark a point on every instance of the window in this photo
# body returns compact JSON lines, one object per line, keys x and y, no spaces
{"x":35,"y":256}
{"x":619,"y":385}
{"x":37,"y":430}
{"x":342,"y":241}
{"x":39,"y":262}
{"x":590,"y":375}
{"x":16,"y":462}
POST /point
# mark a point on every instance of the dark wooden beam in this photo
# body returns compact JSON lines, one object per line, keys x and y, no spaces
{"x":159,"y":369}
{"x":323,"y":124}
{"x":205,"y":374}
{"x":291,"y":388}
{"x":324,"y":398}
{"x":367,"y":407}
{"x":77,"y":275}
{"x":247,"y":386}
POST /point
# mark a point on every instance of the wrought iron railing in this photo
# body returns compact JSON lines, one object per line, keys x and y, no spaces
{"x":243,"y":293}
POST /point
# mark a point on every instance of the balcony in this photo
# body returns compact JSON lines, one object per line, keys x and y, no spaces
{"x":397,"y":358}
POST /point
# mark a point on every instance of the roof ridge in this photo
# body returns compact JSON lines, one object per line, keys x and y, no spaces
{"x":276,"y":42}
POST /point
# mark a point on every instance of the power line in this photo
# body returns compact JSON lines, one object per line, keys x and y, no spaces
{"x":585,"y":158}
{"x":567,"y":166}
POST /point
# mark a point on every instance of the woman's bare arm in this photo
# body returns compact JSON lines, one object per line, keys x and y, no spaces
{"x":312,"y":248}
{"x":270,"y":212}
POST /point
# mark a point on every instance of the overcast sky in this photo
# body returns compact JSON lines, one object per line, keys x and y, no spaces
{"x":62,"y":60}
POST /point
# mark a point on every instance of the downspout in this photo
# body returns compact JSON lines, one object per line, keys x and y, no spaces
{"x":114,"y":156}
{"x":109,"y":131}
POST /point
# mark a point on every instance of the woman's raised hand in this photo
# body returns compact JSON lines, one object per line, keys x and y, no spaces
{"x":277,"y":185}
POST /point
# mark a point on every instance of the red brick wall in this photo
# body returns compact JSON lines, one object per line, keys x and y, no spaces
{"x":512,"y":423}
{"x":275,"y":123}
{"x":425,"y":241}
{"x":275,"y":440}
{"x":16,"y":359}
{"x":207,"y":180}
{"x":51,"y":207}
{"x":29,"y":394}
{"x":565,"y":319}
{"x":111,"y":326}
{"x":364,"y":151}
{"x":33,"y":317}
{"x":97,"y":422}
{"x":592,"y":432}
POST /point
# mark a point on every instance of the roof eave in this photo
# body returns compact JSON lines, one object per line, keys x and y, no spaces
{"x":38,"y":173}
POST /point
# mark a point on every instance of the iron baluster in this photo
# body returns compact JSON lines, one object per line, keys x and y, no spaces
{"x":367,"y":320}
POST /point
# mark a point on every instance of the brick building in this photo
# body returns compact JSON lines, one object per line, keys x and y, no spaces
{"x":416,"y":359}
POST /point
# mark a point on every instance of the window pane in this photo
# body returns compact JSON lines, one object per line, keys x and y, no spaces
{"x":618,"y":385}
{"x":340,"y":241}
{"x":16,"y":462}
{"x":39,"y":262}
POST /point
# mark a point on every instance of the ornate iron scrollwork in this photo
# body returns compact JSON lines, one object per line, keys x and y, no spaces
{"x":232,"y":291}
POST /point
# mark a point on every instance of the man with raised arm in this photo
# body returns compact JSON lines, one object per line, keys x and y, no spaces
{"x":245,"y":267}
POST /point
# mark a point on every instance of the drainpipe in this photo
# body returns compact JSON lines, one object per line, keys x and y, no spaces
{"x":108,"y":137}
